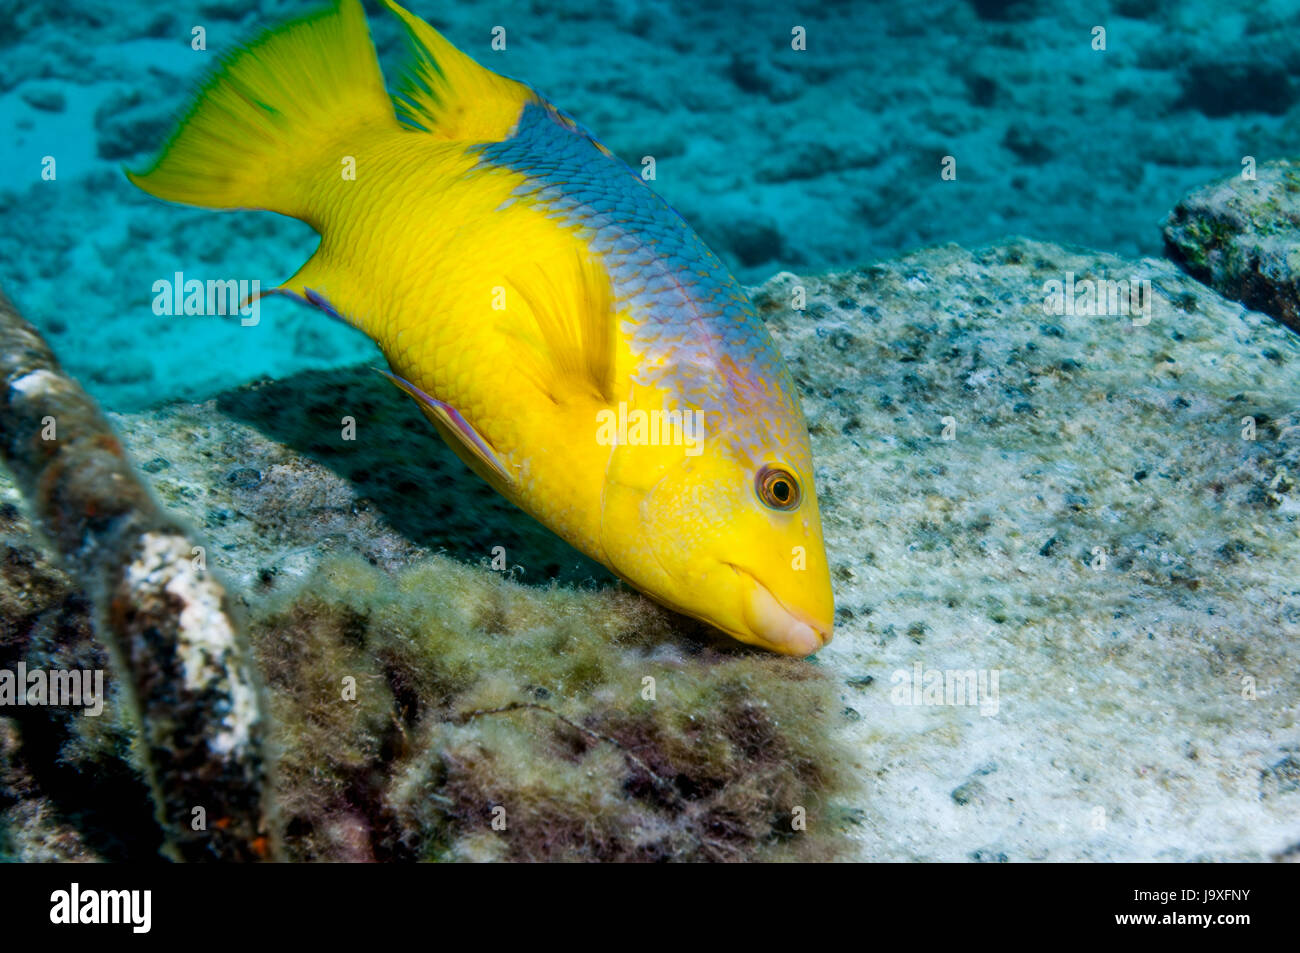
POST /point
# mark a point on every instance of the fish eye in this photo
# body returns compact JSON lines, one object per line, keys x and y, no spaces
{"x":777,"y":488}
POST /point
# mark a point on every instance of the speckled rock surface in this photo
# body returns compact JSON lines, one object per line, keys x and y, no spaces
{"x":1242,"y":238}
{"x":1092,"y":516}
{"x":1097,"y":531}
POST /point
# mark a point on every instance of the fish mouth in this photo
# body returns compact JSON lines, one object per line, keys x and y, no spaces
{"x":776,"y":626}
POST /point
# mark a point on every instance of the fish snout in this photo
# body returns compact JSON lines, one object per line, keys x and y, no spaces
{"x":777,"y":627}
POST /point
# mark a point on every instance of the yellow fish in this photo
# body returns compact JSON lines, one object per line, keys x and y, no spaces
{"x":571,"y":338}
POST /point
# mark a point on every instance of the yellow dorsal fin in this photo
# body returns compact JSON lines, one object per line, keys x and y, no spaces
{"x":563,"y":312}
{"x":446,"y":94}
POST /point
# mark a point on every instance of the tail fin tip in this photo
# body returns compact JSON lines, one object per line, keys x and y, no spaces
{"x":275,"y":102}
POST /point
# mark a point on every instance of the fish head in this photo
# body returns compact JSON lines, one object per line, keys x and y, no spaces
{"x":730,"y":536}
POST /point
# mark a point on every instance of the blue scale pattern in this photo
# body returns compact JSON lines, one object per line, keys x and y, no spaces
{"x":689,"y":319}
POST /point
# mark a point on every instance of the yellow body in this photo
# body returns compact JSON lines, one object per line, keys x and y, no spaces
{"x":494,"y":314}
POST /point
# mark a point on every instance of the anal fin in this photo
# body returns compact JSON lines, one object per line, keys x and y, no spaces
{"x":458,"y":432}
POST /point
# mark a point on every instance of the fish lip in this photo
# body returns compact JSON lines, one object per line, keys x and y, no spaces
{"x":822,"y":635}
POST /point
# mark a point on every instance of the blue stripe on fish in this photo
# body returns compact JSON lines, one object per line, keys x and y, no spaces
{"x":688,"y":314}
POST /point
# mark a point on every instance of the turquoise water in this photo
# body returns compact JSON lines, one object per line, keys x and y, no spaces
{"x":783,"y":159}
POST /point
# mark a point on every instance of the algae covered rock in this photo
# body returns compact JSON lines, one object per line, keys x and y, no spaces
{"x":69,"y":788}
{"x":445,"y":714}
{"x":1241,"y":236}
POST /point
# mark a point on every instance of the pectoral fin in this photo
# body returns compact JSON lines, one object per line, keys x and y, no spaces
{"x":566,"y":325}
{"x":458,"y":432}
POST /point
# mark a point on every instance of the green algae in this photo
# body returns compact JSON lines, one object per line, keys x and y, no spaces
{"x":493,"y":721}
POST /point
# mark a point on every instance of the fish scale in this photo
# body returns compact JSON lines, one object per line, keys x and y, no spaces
{"x":685,"y":311}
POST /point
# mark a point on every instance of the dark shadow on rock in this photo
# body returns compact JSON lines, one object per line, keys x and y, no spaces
{"x":74,"y":772}
{"x":399,"y":465}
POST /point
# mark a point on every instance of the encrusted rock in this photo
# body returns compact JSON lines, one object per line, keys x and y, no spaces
{"x":1241,"y":236}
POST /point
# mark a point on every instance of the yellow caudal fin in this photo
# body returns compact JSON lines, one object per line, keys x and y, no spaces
{"x":264,"y":125}
{"x":446,"y":94}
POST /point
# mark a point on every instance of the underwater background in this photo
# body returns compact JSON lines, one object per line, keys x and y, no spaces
{"x":781,"y":159}
{"x":1097,"y":510}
